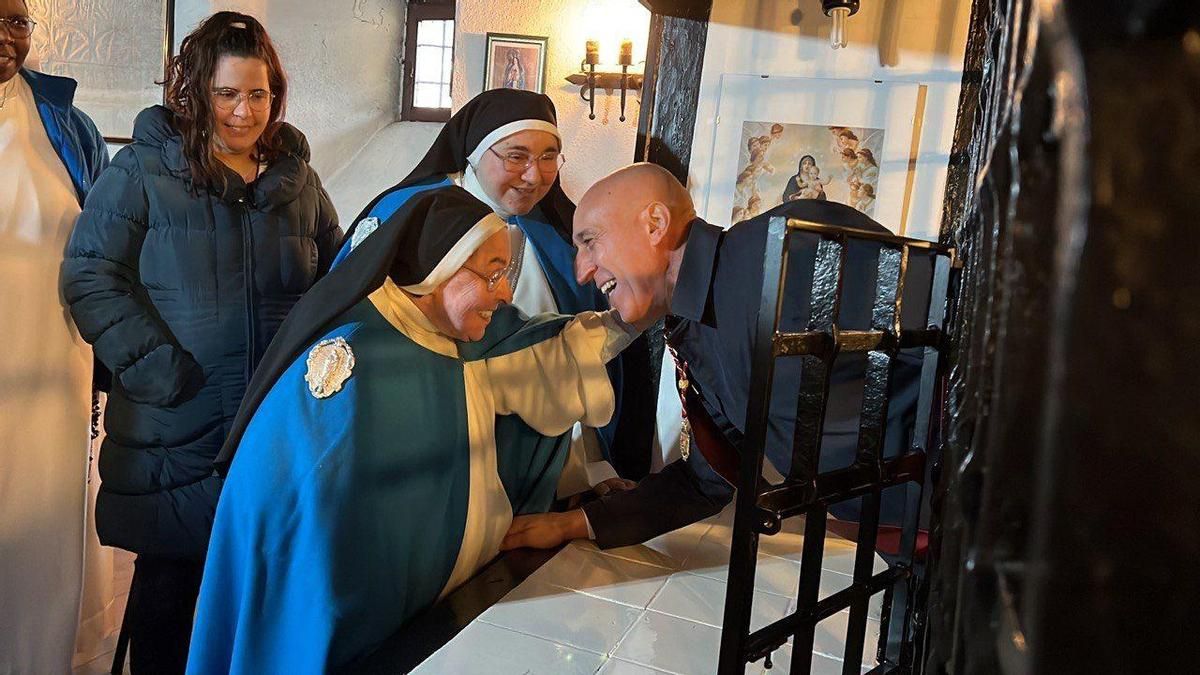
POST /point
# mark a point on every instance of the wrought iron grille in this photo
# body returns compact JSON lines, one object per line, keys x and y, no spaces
{"x":806,"y":490}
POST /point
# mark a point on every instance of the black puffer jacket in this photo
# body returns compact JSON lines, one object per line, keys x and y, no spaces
{"x":180,"y":294}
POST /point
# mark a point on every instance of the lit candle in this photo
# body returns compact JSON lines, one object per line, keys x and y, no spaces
{"x":626,"y":53}
{"x":592,"y":54}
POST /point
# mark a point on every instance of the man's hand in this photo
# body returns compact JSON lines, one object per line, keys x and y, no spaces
{"x":612,"y":485}
{"x":545,"y":530}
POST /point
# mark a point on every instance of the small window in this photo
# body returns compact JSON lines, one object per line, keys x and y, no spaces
{"x":428,"y":61}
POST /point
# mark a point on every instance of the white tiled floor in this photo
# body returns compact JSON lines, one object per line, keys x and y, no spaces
{"x":650,"y":609}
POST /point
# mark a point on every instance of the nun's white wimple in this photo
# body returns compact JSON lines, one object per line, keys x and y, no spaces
{"x":501,"y":132}
{"x":458,"y":254}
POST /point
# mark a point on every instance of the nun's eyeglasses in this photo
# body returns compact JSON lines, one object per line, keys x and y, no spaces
{"x":516,"y":161}
{"x":493,"y":279}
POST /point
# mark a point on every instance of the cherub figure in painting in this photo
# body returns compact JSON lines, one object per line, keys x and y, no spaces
{"x":747,"y":200}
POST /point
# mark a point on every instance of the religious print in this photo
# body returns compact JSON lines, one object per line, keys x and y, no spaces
{"x":515,"y":62}
{"x":779,"y":162}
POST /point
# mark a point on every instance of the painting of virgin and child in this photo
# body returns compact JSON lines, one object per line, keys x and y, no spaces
{"x":782,"y":162}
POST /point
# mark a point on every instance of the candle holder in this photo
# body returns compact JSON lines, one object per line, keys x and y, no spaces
{"x":589,"y":78}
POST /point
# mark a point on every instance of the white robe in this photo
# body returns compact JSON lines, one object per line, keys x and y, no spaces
{"x":45,"y":400}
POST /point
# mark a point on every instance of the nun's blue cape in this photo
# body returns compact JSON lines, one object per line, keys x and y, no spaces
{"x":344,"y":516}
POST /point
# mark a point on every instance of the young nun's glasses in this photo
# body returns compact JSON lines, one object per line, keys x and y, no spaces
{"x":516,"y":161}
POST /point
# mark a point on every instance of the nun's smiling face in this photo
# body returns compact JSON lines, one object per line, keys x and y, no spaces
{"x":519,"y":169}
{"x":461,"y":308}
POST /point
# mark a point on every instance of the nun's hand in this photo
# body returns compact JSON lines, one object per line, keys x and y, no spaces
{"x":545,"y":530}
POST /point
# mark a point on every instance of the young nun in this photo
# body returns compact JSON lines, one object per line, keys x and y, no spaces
{"x":367,"y":481}
{"x":504,"y":148}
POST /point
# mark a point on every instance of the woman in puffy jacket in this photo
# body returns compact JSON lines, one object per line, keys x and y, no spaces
{"x":191,"y":249}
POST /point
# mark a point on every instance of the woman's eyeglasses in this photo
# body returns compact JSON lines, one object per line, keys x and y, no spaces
{"x":18,"y":26}
{"x":516,"y":161}
{"x":493,"y":280}
{"x":229,"y":99}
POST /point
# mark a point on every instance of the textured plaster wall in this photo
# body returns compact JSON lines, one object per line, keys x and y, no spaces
{"x":902,"y":40}
{"x":113,"y":48}
{"x":592,"y":147}
{"x":343,"y":61}
{"x":387,"y":158}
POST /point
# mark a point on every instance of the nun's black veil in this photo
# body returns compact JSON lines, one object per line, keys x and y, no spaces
{"x":417,"y":237}
{"x":479,"y":117}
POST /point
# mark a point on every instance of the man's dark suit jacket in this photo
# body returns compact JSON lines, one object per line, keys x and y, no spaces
{"x":714,"y":310}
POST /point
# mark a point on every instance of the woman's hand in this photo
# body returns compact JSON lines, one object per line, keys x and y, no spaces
{"x":545,"y":530}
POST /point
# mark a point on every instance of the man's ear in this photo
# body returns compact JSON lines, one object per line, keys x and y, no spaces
{"x":657,"y":221}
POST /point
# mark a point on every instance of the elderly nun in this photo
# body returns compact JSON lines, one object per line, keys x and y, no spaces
{"x":365,"y":479}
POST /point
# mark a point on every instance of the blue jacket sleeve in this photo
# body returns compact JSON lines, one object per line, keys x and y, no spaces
{"x":329,"y":234}
{"x":95,"y":150}
{"x":101,"y":283}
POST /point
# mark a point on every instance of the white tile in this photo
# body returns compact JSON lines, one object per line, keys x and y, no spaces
{"x":488,"y":650}
{"x":772,"y":575}
{"x":619,"y":667}
{"x":672,"y":644}
{"x":702,"y":599}
{"x":603,"y":576}
{"x":562,"y":616}
{"x":839,"y":556}
{"x":830,"y":638}
{"x":679,"y":544}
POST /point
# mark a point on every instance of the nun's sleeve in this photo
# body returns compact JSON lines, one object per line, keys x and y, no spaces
{"x":562,"y":380}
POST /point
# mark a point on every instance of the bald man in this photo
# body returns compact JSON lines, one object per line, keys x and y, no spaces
{"x":640,"y":242}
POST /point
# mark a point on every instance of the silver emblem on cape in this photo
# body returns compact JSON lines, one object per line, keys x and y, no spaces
{"x":365,"y":227}
{"x":330,"y":364}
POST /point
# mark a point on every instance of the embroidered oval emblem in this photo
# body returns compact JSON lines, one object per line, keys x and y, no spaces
{"x":365,"y":227}
{"x":330,"y":364}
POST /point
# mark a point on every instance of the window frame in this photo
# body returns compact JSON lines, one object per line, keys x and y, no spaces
{"x":430,"y":10}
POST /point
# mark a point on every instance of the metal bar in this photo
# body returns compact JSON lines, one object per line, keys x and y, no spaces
{"x":739,"y":592}
{"x":864,"y":564}
{"x":885,"y":316}
{"x":808,"y":593}
{"x":815,"y":343}
{"x":792,"y":499}
{"x":835,"y":231}
{"x":775,"y":634}
{"x":814,"y":377}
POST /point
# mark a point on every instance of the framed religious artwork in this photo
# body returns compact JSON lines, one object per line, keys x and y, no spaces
{"x":784,"y":138}
{"x":114,"y":49}
{"x":515,"y":62}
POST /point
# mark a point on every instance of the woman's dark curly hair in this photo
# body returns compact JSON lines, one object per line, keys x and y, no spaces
{"x":189,"y":89}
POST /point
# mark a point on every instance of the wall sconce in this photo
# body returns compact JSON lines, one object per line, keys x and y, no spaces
{"x":839,"y":11}
{"x":588,"y":78}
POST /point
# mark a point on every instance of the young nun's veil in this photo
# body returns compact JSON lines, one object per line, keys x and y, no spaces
{"x":424,"y":243}
{"x":484,"y":120}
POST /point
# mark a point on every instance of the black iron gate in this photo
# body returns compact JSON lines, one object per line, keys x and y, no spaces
{"x":806,"y":491}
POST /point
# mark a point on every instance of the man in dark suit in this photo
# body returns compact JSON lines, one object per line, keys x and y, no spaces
{"x":641,"y":243}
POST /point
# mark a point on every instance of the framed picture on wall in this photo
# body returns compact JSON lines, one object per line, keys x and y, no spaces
{"x":515,"y":62}
{"x":783,"y":138}
{"x":116,"y":55}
